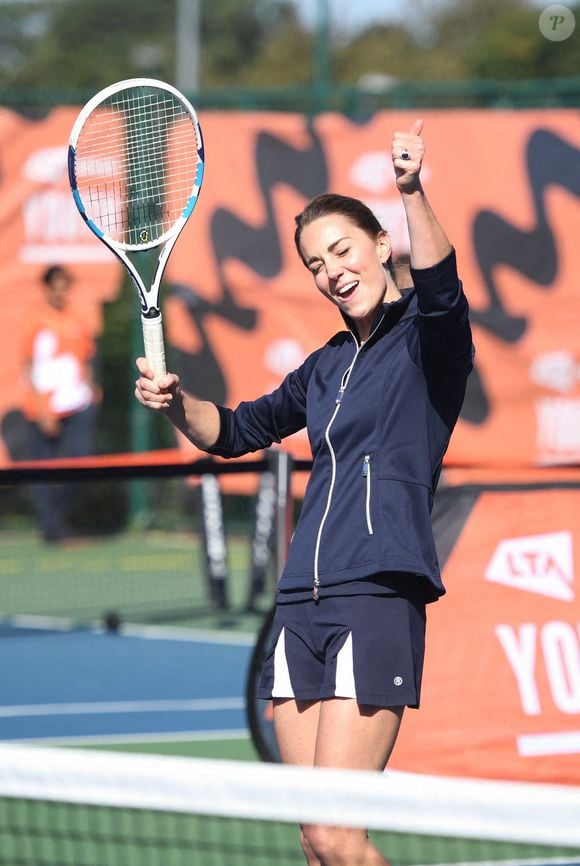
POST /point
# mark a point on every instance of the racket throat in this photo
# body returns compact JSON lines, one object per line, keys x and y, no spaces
{"x":144,"y":271}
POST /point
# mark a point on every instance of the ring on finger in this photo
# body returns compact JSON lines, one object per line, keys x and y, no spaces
{"x":405,"y":154}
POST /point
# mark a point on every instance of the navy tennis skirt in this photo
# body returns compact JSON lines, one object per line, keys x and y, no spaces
{"x":367,"y":647}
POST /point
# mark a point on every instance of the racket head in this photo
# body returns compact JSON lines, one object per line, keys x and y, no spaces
{"x":136,"y":163}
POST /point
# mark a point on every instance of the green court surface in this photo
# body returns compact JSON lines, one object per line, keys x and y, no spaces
{"x":141,"y":576}
{"x":241,"y":749}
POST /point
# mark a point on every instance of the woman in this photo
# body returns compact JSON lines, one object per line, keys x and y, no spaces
{"x":380,"y":401}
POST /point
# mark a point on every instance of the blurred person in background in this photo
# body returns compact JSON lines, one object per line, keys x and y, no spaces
{"x":58,"y":351}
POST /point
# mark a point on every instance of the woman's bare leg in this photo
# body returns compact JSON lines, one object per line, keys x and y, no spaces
{"x":337,"y":732}
{"x":296,"y":726}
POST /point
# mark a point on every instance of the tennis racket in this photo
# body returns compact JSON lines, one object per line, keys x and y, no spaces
{"x":135,"y":165}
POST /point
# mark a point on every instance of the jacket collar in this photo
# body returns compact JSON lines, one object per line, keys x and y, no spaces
{"x":386,"y":316}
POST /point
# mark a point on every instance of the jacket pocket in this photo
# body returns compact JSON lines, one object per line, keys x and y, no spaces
{"x":367,"y":475}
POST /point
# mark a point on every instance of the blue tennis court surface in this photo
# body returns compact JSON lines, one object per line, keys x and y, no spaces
{"x":67,"y":687}
{"x":147,"y":684}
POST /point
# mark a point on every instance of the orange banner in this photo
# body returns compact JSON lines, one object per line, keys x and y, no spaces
{"x":240,"y":310}
{"x":501,"y":692}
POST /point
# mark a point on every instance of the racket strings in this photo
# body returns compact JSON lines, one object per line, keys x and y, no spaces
{"x":136,"y":163}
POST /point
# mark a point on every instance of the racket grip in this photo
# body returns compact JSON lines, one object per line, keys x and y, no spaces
{"x":154,"y":345}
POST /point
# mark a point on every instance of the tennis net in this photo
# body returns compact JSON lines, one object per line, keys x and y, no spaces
{"x":149,"y":543}
{"x":61,"y":807}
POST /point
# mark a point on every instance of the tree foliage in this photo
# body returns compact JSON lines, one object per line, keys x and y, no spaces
{"x":462,"y":40}
{"x":90,"y":43}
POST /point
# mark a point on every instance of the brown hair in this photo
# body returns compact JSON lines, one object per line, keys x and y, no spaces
{"x":54,"y":271}
{"x":351,"y":208}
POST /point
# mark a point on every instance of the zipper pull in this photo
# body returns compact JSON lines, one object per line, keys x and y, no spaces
{"x":366,"y":462}
{"x":340,"y":395}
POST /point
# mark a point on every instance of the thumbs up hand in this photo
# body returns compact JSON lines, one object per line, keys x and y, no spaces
{"x":408,"y":150}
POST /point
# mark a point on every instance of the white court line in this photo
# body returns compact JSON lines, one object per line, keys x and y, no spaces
{"x":198,"y":635}
{"x":106,"y":707}
{"x":154,"y":632}
{"x":149,"y":737}
{"x":29,"y":620}
{"x":193,"y":634}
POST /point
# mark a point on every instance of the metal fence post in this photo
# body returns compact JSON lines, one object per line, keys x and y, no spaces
{"x":281,"y":463}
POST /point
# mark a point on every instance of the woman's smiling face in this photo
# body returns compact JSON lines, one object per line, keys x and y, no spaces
{"x":348,"y":266}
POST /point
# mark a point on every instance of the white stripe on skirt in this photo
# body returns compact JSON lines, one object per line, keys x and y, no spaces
{"x":345,"y":686}
{"x":282,"y":687}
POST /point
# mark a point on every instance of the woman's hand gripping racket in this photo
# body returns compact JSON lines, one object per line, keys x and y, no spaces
{"x":135,"y":167}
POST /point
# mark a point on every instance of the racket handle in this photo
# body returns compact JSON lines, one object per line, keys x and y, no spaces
{"x":154,"y":345}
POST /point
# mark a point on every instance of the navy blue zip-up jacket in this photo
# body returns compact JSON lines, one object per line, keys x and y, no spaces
{"x":379,"y":419}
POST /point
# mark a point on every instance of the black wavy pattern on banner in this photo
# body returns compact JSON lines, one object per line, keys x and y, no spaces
{"x":259,"y":248}
{"x":550,"y":161}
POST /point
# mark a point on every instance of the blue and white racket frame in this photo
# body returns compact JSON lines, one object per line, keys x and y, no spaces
{"x":151,"y":317}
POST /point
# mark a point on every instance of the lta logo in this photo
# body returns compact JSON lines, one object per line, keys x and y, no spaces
{"x":535,"y":563}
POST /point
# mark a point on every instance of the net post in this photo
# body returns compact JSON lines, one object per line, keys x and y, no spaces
{"x":281,"y":463}
{"x":214,"y":539}
{"x":262,"y":537}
